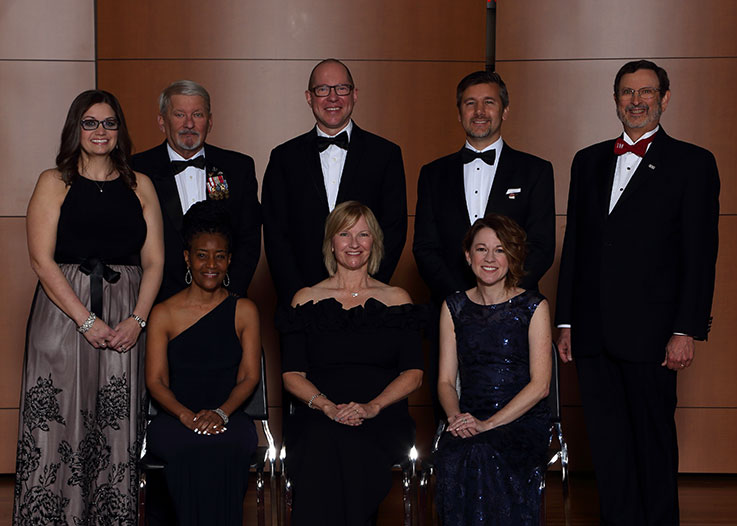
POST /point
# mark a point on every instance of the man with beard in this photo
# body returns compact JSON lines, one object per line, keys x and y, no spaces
{"x":185,"y":170}
{"x":485,"y":176}
{"x":634,"y":292}
{"x":308,"y":175}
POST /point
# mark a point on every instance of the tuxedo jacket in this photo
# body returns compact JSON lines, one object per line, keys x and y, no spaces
{"x":295,"y":205}
{"x":631,"y":278}
{"x":522,"y":189}
{"x":242,"y":205}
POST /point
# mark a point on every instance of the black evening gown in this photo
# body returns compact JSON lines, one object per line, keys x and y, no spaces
{"x":340,"y":474}
{"x":206,"y":475}
{"x":81,"y":418}
{"x":494,"y":477}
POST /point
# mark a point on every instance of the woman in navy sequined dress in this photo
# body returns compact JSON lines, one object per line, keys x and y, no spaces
{"x":497,"y":336}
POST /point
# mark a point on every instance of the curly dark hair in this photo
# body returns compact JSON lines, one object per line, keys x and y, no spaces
{"x":206,"y":217}
{"x":514,"y":242}
{"x":70,"y":150}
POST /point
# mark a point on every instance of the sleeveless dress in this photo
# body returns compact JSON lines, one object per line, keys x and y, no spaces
{"x":340,"y":474}
{"x":493,"y":478}
{"x":206,"y":475}
{"x":80,"y":426}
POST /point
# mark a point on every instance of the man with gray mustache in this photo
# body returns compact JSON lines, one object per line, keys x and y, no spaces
{"x":185,"y":170}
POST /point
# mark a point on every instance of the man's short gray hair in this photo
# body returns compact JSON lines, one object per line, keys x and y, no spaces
{"x":183,"y":87}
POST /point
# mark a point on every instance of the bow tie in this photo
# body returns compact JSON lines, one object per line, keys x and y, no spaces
{"x":639,"y":148}
{"x":340,"y":140}
{"x":180,"y":166}
{"x":468,"y":155}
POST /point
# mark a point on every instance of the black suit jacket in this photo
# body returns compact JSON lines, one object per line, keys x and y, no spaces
{"x":295,"y":205}
{"x":242,"y":204}
{"x":442,"y":220}
{"x":630,"y":279}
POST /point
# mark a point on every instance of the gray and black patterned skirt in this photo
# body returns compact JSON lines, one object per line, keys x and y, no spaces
{"x":81,"y":420}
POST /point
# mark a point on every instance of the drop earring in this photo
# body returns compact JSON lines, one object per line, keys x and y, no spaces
{"x":226,"y":280}
{"x":188,"y":277}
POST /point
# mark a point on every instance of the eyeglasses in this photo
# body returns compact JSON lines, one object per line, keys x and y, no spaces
{"x":92,"y":124}
{"x":323,"y":90}
{"x":643,"y":93}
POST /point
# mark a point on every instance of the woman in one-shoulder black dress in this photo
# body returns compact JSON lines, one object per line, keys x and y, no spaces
{"x":202,"y":362}
{"x":352,"y":354}
{"x":497,"y":336}
{"x":94,"y":236}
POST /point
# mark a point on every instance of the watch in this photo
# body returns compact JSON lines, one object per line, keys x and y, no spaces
{"x":139,"y":320}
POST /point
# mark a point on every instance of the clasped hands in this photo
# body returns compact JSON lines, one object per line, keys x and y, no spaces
{"x":465,"y":425}
{"x":206,"y":422}
{"x":352,"y":413}
{"x":120,"y":339}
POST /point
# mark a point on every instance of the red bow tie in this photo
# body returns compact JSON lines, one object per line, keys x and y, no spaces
{"x":639,"y":148}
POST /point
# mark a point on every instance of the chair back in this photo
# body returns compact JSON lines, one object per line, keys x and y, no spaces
{"x":554,"y":391}
{"x":256,"y":406}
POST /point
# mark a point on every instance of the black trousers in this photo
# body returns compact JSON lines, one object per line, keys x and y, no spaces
{"x":629,"y":410}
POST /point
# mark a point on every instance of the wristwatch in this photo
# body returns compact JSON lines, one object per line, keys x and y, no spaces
{"x":139,"y":320}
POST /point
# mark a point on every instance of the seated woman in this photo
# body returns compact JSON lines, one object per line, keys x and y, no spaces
{"x":202,"y":362}
{"x":351,"y":353}
{"x":497,"y":335}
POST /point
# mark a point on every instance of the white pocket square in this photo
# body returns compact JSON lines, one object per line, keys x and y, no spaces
{"x":512,"y":192}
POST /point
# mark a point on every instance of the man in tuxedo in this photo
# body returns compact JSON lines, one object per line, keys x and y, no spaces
{"x":634,"y":292}
{"x":334,"y":162}
{"x":185,"y":170}
{"x":485,"y":176}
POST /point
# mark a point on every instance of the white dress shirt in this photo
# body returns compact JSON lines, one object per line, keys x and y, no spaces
{"x":627,"y":164}
{"x":477,"y":180}
{"x":332,"y":160}
{"x":190,"y":182}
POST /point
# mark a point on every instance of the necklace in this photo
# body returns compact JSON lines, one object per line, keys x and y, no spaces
{"x":98,"y":185}
{"x":354,"y":294}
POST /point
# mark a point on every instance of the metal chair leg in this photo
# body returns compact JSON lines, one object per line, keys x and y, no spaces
{"x":260,"y":513}
{"x":406,"y":495}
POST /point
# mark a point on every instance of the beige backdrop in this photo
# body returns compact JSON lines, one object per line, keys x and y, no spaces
{"x":557,"y":58}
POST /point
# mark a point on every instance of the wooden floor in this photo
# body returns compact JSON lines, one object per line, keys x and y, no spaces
{"x":705,"y":500}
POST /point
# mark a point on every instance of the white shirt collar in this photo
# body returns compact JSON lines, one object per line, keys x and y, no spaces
{"x":348,"y":128}
{"x":496,"y":145}
{"x":645,"y":136}
{"x":174,"y":156}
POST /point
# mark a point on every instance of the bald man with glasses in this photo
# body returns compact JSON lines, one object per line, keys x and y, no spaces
{"x":307,"y":176}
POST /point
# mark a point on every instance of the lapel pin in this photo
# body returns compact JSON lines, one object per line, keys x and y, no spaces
{"x":651,"y":166}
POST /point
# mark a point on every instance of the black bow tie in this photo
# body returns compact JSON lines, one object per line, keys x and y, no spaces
{"x":340,"y":140}
{"x":468,"y":155}
{"x":180,"y":166}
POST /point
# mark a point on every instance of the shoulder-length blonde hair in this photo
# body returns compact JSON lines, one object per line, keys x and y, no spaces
{"x":343,"y":217}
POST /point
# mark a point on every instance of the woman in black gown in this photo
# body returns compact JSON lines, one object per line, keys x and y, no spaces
{"x":202,"y":363}
{"x":95,"y":241}
{"x":351,"y":353}
{"x":497,"y":336}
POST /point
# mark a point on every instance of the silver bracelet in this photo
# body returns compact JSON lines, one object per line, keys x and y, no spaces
{"x":222,"y":415}
{"x":316,"y":395}
{"x":87,"y":325}
{"x":141,"y":321}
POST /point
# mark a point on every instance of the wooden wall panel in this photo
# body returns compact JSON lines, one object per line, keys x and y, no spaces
{"x":42,"y":30}
{"x":17,"y":283}
{"x":574,"y":29}
{"x":8,"y":439}
{"x":281,"y":29}
{"x":41,"y":93}
{"x":706,"y":438}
